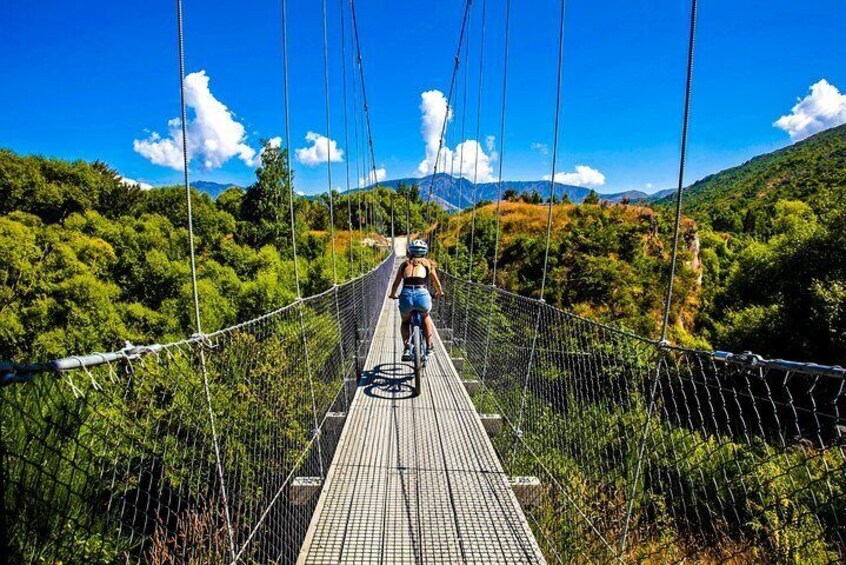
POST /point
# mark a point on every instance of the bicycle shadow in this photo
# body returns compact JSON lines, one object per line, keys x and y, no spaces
{"x":390,"y":381}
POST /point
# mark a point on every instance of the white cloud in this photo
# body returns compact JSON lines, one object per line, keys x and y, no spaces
{"x":321,"y":150}
{"x":214,"y":136}
{"x":823,"y":108}
{"x":468,"y":159}
{"x":541,"y":148}
{"x":380,"y":174}
{"x":472,"y":163}
{"x":649,"y":186}
{"x":583,"y":176}
{"x":141,"y":185}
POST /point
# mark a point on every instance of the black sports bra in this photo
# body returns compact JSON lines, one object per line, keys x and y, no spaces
{"x":415,"y":281}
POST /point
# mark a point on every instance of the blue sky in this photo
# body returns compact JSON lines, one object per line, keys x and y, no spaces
{"x":87,"y":79}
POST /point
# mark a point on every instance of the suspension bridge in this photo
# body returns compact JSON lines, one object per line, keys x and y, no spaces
{"x":540,"y":436}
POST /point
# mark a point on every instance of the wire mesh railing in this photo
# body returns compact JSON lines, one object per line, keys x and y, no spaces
{"x":185,"y":452}
{"x":647,"y":452}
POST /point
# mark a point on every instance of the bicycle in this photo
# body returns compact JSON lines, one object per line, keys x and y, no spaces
{"x":419,"y":351}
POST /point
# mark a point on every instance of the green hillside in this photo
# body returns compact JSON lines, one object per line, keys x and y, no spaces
{"x":742,"y":199}
{"x":763,"y":265}
{"x":87,"y":261}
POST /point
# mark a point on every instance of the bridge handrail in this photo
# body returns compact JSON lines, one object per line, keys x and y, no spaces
{"x":746,"y":358}
{"x":11,"y":373}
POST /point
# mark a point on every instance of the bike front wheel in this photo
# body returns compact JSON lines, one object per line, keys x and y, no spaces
{"x":418,"y":358}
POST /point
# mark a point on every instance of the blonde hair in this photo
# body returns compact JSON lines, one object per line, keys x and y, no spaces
{"x":424,"y":261}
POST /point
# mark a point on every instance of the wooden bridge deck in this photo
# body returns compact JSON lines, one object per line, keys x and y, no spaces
{"x":415,"y":480}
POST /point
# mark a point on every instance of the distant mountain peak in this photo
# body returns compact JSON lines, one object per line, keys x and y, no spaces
{"x":213,"y":189}
{"x":458,"y":193}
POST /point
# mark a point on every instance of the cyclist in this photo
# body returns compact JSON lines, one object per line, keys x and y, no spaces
{"x":414,"y":274}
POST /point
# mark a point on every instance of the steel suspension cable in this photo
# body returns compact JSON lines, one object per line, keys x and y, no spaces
{"x":450,"y":92}
{"x":499,"y":184}
{"x":329,"y":137}
{"x":556,"y":126}
{"x":533,"y":351}
{"x":335,"y":290}
{"x":462,"y":138}
{"x":369,"y":127}
{"x":346,"y":134}
{"x":679,"y":189}
{"x":184,"y":126}
{"x":290,"y":180}
{"x":361,"y":169}
{"x":682,"y":159}
{"x":475,"y":169}
{"x":478,"y":137}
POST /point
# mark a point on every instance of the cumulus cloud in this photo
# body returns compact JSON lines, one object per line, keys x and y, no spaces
{"x":132,"y":182}
{"x":583,"y":176}
{"x":380,"y":174}
{"x":471,"y":162}
{"x":214,"y":136}
{"x":469,"y":159}
{"x":321,"y":150}
{"x":823,"y":108}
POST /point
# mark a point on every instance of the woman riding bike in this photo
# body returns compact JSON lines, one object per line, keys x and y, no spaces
{"x":414,"y":274}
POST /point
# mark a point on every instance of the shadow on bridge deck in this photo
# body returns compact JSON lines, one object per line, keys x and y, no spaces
{"x":415,"y":479}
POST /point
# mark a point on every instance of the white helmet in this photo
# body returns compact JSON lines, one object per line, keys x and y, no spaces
{"x":418,"y":248}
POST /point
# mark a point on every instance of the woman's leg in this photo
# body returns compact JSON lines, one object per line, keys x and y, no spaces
{"x":430,"y":329}
{"x":404,"y":329}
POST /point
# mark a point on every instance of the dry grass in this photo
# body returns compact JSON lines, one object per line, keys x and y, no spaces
{"x":200,"y":537}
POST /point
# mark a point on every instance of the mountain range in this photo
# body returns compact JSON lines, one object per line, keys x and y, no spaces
{"x":760,"y":179}
{"x":459,"y":193}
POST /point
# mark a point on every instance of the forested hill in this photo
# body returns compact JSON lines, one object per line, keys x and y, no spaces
{"x":87,"y":261}
{"x":742,"y":199}
{"x":763,"y":263}
{"x":607,"y":261}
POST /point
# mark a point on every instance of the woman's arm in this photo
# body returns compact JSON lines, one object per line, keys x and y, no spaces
{"x":397,"y":281}
{"x":436,"y":282}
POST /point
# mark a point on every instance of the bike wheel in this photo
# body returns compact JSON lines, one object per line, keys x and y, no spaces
{"x":418,"y":358}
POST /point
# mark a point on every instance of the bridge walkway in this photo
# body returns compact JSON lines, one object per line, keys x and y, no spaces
{"x":415,"y":479}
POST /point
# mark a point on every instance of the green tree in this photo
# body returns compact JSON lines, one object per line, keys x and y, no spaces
{"x":591,"y":198}
{"x":265,"y":206}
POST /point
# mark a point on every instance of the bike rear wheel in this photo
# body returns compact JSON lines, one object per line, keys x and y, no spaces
{"x":418,"y":358}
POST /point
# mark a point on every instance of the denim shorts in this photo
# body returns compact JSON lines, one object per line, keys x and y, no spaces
{"x":414,"y":299}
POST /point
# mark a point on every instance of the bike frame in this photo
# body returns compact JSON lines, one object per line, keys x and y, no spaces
{"x":417,"y":340}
